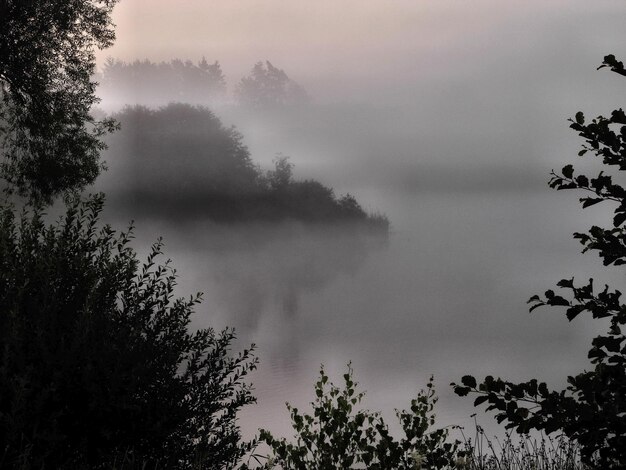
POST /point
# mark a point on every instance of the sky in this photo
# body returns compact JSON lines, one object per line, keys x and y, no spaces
{"x":465,"y":80}
{"x":365,"y":44}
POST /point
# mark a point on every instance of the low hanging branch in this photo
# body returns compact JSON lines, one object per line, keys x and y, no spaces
{"x":49,"y":141}
{"x":592,"y":409}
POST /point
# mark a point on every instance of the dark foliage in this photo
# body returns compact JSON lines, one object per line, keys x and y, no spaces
{"x":592,"y":409}
{"x":181,"y":148}
{"x":49,"y":142}
{"x":151,"y":83}
{"x":338,"y":435}
{"x":97,"y":361}
{"x":181,"y":160}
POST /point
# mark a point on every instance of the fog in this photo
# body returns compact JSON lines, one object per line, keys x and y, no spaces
{"x":447,"y":117}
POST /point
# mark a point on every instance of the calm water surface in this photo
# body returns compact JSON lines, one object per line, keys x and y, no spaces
{"x":475,"y":232}
{"x":445,"y":296}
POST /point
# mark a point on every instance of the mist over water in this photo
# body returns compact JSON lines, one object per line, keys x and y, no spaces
{"x":445,"y":296}
{"x":452,"y":137}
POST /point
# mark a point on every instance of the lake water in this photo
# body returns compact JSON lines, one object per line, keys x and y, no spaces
{"x":446,"y":295}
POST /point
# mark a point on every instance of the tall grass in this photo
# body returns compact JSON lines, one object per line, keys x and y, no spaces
{"x":520,"y":452}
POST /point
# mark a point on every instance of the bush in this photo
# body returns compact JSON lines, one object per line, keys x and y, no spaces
{"x":96,"y":359}
{"x":339,"y":436}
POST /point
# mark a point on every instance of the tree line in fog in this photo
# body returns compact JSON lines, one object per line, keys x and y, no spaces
{"x":180,"y":159}
{"x":157,"y":83}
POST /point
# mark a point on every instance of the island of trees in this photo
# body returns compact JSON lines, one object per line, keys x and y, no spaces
{"x":182,"y":158}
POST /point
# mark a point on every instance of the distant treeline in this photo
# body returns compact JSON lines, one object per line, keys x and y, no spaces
{"x":180,"y":160}
{"x":152,"y":83}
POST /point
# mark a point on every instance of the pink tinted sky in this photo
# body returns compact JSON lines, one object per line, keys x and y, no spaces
{"x":328,"y":44}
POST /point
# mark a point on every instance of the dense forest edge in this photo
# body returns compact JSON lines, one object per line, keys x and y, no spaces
{"x":159,"y":83}
{"x":99,"y":367}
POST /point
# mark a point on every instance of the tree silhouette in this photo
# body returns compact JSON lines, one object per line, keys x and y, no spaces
{"x":97,"y":362}
{"x":592,"y":409}
{"x":282,"y":174}
{"x":49,"y":141}
{"x":181,"y":149}
{"x":181,"y":160}
{"x":98,"y":366}
{"x":150,"y":83}
{"x":267,"y":86}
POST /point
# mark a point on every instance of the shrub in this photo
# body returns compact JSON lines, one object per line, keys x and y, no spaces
{"x":339,"y":436}
{"x":97,"y":360}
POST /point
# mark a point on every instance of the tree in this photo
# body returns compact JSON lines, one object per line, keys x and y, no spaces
{"x":150,"y":83}
{"x":213,"y":78}
{"x":97,"y":363}
{"x":339,"y":436}
{"x":182,"y":161}
{"x":592,"y":409}
{"x":49,"y":141}
{"x":181,"y":150}
{"x":350,"y":207}
{"x":268,"y":86}
{"x":282,"y":174}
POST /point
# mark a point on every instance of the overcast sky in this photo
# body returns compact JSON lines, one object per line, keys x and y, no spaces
{"x":350,"y":46}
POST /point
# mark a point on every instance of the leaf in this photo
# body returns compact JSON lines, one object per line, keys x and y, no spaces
{"x":582,"y":181}
{"x":619,"y":219}
{"x":590,"y":201}
{"x":480,"y":400}
{"x":468,"y":381}
{"x":567,"y":283}
{"x":568,"y":171}
{"x":557,"y":300}
{"x":580,"y":117}
{"x":574,"y":311}
{"x":522,"y":413}
{"x":618,"y":116}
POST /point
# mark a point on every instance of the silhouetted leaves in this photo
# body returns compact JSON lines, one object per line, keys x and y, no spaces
{"x":50,"y":142}
{"x":97,"y":361}
{"x":592,"y":409}
{"x":615,"y":65}
{"x":468,"y":381}
{"x":338,"y":435}
{"x":568,"y":171}
{"x":590,"y":201}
